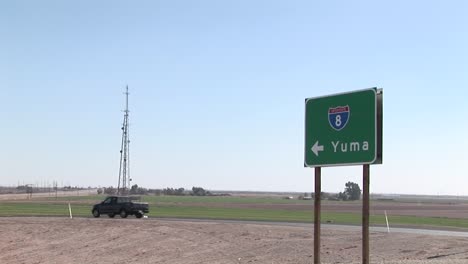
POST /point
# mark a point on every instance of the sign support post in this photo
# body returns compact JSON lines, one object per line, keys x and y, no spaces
{"x":317,"y":209}
{"x":365,"y":214}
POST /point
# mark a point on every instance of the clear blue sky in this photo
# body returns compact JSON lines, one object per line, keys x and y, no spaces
{"x":218,"y":88}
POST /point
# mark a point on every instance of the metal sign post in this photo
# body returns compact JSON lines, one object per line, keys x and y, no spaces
{"x":365,"y":214}
{"x":317,"y":209}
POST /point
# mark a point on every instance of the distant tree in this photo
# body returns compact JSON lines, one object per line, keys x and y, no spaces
{"x":99,"y":191}
{"x":109,"y":190}
{"x":142,"y":190}
{"x":324,"y":195}
{"x":134,"y":189}
{"x":342,"y":196}
{"x":352,"y":191}
{"x":199,"y":191}
{"x":21,"y":187}
{"x":168,"y":191}
{"x":180,"y":191}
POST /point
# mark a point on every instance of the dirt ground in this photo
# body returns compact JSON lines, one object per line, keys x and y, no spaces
{"x":35,"y":196}
{"x":103,"y":240}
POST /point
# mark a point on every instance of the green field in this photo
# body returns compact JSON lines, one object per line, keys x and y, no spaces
{"x":215,"y":208}
{"x":192,"y":199}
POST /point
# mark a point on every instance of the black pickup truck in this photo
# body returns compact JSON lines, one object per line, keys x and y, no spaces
{"x":121,"y":205}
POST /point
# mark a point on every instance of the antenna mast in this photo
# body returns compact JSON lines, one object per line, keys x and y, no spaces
{"x":124,"y":169}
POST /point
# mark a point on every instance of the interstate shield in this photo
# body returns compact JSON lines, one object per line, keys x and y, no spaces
{"x":338,"y":117}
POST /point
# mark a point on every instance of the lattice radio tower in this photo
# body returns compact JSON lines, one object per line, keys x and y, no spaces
{"x":124,"y":170}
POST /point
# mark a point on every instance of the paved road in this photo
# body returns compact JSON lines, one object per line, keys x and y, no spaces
{"x":432,"y":232}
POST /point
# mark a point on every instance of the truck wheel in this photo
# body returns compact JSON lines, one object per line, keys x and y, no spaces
{"x":96,"y":213}
{"x":111,"y":215}
{"x":139,"y":215}
{"x":123,"y":213}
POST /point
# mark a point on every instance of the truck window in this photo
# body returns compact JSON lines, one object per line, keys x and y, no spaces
{"x":123,"y":200}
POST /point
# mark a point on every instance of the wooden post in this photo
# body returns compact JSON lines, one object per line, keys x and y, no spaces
{"x":365,"y":214}
{"x":317,"y":208}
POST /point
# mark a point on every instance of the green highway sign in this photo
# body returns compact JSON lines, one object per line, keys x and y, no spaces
{"x":344,"y":129}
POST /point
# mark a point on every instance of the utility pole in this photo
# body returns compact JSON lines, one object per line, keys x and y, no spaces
{"x":124,"y":168}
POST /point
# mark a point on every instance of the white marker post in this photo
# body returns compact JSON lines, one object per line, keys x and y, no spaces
{"x":386,"y":219}
{"x":69,"y":208}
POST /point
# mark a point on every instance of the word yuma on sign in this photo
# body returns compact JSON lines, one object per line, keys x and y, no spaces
{"x":353,"y":146}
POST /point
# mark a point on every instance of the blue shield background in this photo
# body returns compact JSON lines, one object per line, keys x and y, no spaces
{"x":340,"y":122}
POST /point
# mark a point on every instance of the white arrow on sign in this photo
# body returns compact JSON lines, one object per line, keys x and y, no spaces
{"x":316,"y":148}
